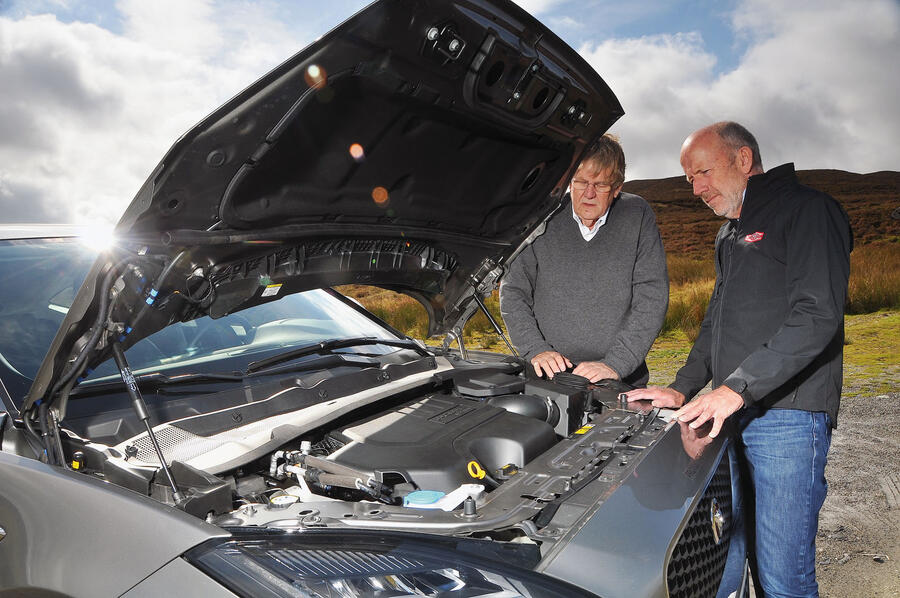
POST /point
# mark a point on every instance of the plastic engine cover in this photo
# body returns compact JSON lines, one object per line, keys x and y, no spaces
{"x":431,"y":441}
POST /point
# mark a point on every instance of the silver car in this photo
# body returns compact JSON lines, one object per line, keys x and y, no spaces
{"x":196,"y":412}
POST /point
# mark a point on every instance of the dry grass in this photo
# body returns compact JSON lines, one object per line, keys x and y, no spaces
{"x":874,"y":278}
{"x":687,"y":305}
{"x":684,"y":269}
{"x":400,"y":311}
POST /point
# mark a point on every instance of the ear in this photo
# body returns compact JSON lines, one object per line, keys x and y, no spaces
{"x":745,"y":159}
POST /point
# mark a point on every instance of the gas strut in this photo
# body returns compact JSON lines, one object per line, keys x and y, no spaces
{"x":137,"y":401}
{"x":493,"y":322}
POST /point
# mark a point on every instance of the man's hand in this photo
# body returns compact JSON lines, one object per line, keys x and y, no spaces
{"x":660,"y":395}
{"x":717,"y":405}
{"x":549,"y":363}
{"x":595,"y":370}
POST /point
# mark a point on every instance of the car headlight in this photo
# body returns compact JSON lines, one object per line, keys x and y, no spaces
{"x":370,"y":564}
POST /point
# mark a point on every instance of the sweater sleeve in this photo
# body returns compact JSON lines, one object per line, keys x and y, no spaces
{"x":517,"y":305}
{"x":818,"y":267}
{"x":649,"y":300}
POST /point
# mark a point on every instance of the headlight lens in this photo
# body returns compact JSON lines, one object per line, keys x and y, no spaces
{"x":358,"y":565}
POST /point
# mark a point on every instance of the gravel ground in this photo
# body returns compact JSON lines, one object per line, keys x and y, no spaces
{"x":858,"y":546}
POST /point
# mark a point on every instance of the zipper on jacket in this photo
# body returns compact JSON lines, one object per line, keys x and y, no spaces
{"x":721,"y":293}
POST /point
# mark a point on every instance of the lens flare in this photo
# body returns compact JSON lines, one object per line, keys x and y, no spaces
{"x":380,"y":195}
{"x":315,"y":76}
{"x":98,"y":237}
{"x":356,"y":152}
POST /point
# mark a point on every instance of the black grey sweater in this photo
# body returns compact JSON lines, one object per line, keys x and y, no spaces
{"x":598,"y":300}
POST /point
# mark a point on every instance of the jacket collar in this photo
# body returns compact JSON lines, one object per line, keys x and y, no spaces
{"x":763,"y":188}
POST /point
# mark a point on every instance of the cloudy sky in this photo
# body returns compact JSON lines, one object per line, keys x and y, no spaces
{"x":93,"y":92}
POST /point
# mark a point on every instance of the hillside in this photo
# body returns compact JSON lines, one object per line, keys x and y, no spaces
{"x":689,"y":227}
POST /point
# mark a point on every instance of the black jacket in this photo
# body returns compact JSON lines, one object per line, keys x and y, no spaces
{"x":774,"y":328}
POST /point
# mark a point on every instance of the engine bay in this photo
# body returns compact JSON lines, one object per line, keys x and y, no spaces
{"x":461,"y":451}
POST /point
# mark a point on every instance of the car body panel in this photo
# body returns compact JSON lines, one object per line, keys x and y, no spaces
{"x":177,"y":573}
{"x":65,"y":529}
{"x":627,"y":537}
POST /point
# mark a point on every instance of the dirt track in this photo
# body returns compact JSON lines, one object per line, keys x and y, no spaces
{"x":858,"y":546}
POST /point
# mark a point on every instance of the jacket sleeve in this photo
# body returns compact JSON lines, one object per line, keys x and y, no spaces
{"x":649,"y":300}
{"x":517,"y":305}
{"x":697,"y":370}
{"x":817,"y":270}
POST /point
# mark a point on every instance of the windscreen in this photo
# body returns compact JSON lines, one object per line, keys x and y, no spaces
{"x":39,"y":279}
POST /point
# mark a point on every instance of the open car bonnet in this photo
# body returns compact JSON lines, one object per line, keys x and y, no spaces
{"x":415,"y":147}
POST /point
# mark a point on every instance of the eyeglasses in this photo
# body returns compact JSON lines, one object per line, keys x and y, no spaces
{"x":599,"y":188}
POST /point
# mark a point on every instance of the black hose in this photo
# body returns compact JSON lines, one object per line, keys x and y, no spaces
{"x":45,"y":434}
{"x":35,"y":437}
{"x":572,"y":380}
{"x":102,"y":315}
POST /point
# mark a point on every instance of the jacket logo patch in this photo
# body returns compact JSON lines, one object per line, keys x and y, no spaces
{"x":754,"y":237}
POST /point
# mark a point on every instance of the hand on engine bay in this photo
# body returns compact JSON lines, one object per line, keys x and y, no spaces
{"x":595,"y":370}
{"x":716,"y":405}
{"x":549,"y":363}
{"x":661,"y":396}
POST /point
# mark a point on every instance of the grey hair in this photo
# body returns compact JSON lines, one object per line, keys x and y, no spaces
{"x":606,"y":153}
{"x":736,"y":136}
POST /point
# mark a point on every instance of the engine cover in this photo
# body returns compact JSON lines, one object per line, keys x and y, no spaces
{"x":430,"y":441}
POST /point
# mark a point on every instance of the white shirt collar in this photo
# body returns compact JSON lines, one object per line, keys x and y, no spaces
{"x":588,"y":233}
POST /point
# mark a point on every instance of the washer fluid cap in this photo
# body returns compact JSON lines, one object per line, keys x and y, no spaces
{"x":422,"y":497}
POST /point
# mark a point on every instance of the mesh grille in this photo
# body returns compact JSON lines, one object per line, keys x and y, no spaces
{"x":340,"y":563}
{"x":175,"y":444}
{"x":697,"y":563}
{"x":179,"y":445}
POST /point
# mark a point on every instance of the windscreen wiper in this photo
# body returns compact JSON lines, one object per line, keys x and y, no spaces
{"x":327,"y":346}
{"x":153,"y":380}
{"x":156,"y":380}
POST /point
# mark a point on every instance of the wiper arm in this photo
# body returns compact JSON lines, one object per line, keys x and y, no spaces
{"x":155,"y":380}
{"x":330,"y":345}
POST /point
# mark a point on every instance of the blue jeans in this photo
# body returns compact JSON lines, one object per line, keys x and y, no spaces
{"x":782,"y":455}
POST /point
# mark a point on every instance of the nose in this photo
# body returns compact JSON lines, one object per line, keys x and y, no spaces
{"x":699,"y":186}
{"x":590,"y":191}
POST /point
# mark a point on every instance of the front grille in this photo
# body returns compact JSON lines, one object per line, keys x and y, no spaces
{"x":697,"y":563}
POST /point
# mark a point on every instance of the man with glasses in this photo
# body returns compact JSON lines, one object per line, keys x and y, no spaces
{"x":590,"y":294}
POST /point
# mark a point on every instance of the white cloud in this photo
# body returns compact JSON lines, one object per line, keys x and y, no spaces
{"x":817,"y":85}
{"x":185,"y":28}
{"x":86,"y":114}
{"x":538,"y":7}
{"x":658,"y":80}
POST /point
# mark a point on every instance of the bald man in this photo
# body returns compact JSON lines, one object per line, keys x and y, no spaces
{"x":771,"y":343}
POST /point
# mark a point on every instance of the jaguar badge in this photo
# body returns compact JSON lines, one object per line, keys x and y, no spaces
{"x":717,"y":519}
